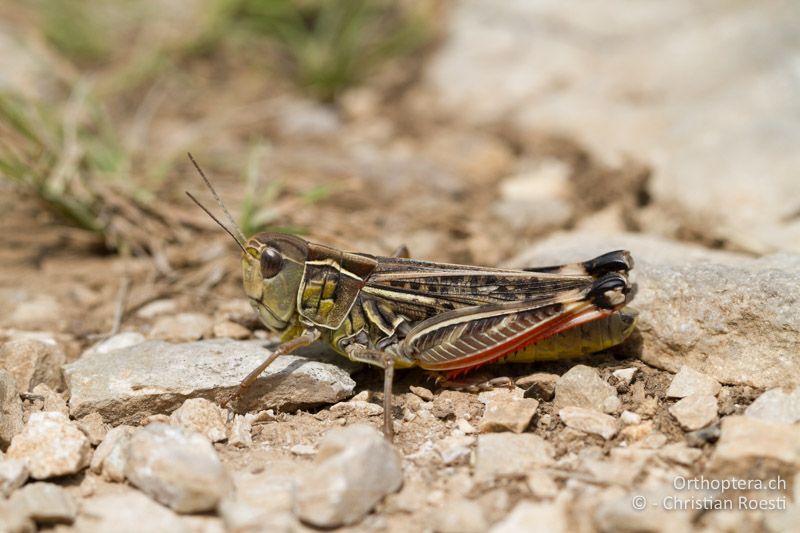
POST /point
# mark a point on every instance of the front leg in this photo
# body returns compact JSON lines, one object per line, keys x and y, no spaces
{"x":308,"y":337}
{"x":384,"y":360}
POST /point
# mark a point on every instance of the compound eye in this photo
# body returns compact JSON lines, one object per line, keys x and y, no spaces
{"x":271,"y":263}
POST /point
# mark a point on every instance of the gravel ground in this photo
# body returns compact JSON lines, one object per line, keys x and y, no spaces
{"x":692,"y":424}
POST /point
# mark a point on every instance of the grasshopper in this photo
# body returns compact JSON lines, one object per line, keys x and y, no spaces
{"x":396,"y":312}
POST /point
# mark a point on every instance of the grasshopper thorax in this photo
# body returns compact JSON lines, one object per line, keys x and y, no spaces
{"x":272,"y":267}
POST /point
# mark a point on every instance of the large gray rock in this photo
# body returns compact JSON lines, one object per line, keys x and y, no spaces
{"x":355,"y":468}
{"x":565,"y":68}
{"x":156,"y":377}
{"x":177,"y":467}
{"x":726,"y":315}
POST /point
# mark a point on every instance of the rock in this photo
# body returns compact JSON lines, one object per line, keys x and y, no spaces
{"x":157,"y":307}
{"x":506,"y":411}
{"x":775,"y":405}
{"x":184,"y":327}
{"x":230,"y":330}
{"x":691,"y":382}
{"x":612,"y":405}
{"x":680,"y":453}
{"x":648,"y":407}
{"x":127,"y":512}
{"x":46,"y":503}
{"x":111,"y":455}
{"x":422,"y":392}
{"x":748,"y":445}
{"x":306,"y":119}
{"x":629,"y":418}
{"x":625,"y":375}
{"x":637,"y":432}
{"x":581,"y":386}
{"x":156,"y":377}
{"x":93,"y":427}
{"x":202,"y":416}
{"x":303,"y":450}
{"x":465,"y":427}
{"x":455,"y":449}
{"x":32,"y":361}
{"x":493,"y":457}
{"x":540,"y":386}
{"x":541,"y":484}
{"x":644,"y":509}
{"x":10,"y":409}
{"x":261,"y":503}
{"x":450,"y":403}
{"x":695,"y":411}
{"x":622,"y":468}
{"x":356,"y":407}
{"x":51,"y":445}
{"x":785,"y":521}
{"x":566,"y":79}
{"x":52,"y":400}
{"x":589,"y":421}
{"x":354,"y":469}
{"x":537,"y":199}
{"x":534,"y":518}
{"x":460,"y":516}
{"x":14,"y":519}
{"x":39,"y":310}
{"x":239,"y":434}
{"x":176,"y":467}
{"x":681,"y":291}
{"x":653,"y":441}
{"x":117,"y":342}
{"x":13,"y":474}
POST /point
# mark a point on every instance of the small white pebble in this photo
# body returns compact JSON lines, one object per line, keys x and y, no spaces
{"x":303,"y":449}
{"x":625,"y":375}
{"x":466,"y":427}
{"x":363,"y":396}
{"x":630,"y":418}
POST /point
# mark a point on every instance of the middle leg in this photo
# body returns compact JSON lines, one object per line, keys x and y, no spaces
{"x":384,"y":360}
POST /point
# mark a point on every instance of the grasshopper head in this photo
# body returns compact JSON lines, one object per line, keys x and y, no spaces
{"x":273,"y":270}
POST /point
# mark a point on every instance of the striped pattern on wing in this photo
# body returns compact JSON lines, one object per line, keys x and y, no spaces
{"x":467,"y":338}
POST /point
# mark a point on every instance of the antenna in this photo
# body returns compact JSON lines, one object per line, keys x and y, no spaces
{"x":215,"y":219}
{"x":241,"y":239}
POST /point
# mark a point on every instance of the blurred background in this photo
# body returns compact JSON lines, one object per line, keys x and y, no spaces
{"x":467,"y":130}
